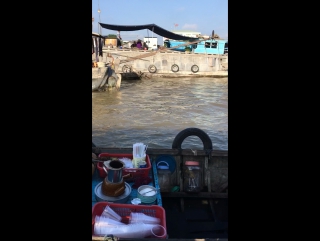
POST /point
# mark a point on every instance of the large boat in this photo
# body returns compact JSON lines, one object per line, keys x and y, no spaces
{"x":208,"y":56}
{"x":193,"y":188}
{"x":206,"y":45}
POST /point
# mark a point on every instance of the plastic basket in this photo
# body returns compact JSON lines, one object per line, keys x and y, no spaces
{"x":124,"y":210}
{"x":135,"y":172}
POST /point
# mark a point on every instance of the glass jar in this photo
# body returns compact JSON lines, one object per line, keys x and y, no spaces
{"x":192,"y":177}
{"x":164,"y":176}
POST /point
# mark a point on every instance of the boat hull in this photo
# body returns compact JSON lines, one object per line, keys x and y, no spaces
{"x":105,"y":78}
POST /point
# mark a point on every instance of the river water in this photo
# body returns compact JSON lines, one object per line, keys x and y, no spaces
{"x":153,"y":111}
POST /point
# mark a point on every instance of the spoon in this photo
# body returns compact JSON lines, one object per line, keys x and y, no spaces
{"x":151,"y":191}
{"x":105,"y":169}
{"x":97,"y":160}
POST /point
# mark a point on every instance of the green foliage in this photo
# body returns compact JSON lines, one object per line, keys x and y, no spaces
{"x":111,"y":36}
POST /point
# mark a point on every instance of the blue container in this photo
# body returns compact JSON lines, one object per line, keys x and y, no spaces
{"x":143,"y":164}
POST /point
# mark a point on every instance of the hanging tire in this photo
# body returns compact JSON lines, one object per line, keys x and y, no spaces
{"x":207,"y":143}
{"x":194,"y":68}
{"x":174,"y":68}
{"x":152,"y":68}
{"x":126,"y":69}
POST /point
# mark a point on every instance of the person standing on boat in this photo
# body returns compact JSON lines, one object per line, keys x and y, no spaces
{"x":145,"y":46}
{"x":134,"y":44}
{"x":118,"y":39}
{"x":166,"y":43}
{"x":139,"y":44}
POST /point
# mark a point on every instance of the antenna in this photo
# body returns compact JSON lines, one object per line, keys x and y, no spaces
{"x":92,"y":23}
{"x":99,"y":27}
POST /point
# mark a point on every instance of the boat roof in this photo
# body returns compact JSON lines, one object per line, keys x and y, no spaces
{"x":152,"y":27}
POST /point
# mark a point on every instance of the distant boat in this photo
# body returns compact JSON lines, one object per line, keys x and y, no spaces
{"x":206,"y":45}
{"x":109,"y":79}
{"x":174,"y":43}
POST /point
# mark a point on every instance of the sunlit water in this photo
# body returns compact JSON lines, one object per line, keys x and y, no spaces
{"x":154,"y":111}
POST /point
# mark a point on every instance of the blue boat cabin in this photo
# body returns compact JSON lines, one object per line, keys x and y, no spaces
{"x":209,"y":46}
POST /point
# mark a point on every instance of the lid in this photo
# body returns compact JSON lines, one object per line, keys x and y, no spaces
{"x":163,"y":165}
{"x":166,"y":162}
{"x":191,"y":163}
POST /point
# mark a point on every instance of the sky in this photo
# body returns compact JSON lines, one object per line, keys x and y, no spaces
{"x":202,"y":16}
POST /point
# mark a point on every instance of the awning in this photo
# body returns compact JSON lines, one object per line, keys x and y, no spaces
{"x":97,"y":35}
{"x":152,"y":27}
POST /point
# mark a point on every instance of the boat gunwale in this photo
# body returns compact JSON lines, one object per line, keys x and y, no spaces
{"x":157,"y":151}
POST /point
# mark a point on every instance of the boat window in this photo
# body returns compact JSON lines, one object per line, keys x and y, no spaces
{"x":211,"y":45}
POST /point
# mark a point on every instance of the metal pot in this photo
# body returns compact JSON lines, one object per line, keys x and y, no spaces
{"x":114,"y":171}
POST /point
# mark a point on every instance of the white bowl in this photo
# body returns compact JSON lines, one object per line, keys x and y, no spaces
{"x":147,"y":193}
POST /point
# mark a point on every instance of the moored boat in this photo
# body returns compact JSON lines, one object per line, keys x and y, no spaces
{"x":105,"y":77}
{"x":207,"y":57}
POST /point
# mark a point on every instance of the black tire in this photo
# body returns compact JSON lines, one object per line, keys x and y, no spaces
{"x":194,"y":68}
{"x":126,"y":69}
{"x":152,"y":68}
{"x":207,"y":143}
{"x":174,"y":68}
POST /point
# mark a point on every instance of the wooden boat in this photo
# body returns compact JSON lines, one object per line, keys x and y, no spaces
{"x":201,"y":47}
{"x":199,"y":214}
{"x":105,"y":78}
{"x":102,"y":76}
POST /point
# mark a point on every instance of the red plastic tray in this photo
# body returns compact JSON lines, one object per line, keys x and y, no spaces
{"x":124,"y":210}
{"x":135,"y":172}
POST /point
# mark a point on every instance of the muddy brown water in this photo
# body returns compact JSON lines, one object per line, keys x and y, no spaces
{"x":153,"y":111}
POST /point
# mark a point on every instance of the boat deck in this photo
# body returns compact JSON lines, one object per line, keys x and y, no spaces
{"x":96,"y":179}
{"x":197,"y":219}
{"x":194,"y":220}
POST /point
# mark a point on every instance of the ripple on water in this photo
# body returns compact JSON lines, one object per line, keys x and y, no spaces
{"x":155,"y":111}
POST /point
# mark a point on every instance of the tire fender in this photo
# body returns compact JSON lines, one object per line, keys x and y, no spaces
{"x":174,"y":68}
{"x":152,"y":68}
{"x":125,"y":68}
{"x":194,"y":68}
{"x":182,"y":135}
